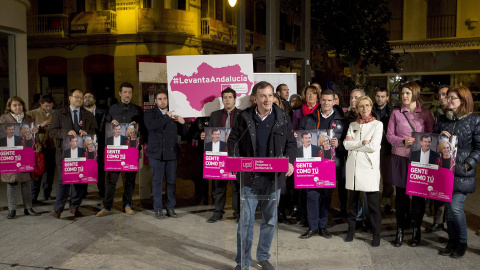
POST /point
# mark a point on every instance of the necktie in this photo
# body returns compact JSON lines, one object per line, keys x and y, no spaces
{"x":76,"y":125}
{"x":227,"y":123}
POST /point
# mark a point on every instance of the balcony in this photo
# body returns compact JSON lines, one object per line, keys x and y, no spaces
{"x":167,"y":21}
{"x":48,"y":25}
{"x":441,"y":26}
{"x":92,"y":23}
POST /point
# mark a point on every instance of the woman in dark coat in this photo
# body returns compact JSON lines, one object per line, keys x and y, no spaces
{"x":460,"y":121}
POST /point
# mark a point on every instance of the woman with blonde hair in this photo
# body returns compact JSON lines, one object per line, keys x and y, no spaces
{"x":445,"y":160}
{"x":27,"y":135}
{"x":131,"y":134}
{"x":327,"y":151}
{"x":15,"y":113}
{"x":91,"y":152}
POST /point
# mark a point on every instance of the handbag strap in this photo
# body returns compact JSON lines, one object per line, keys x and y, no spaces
{"x":413,"y":128}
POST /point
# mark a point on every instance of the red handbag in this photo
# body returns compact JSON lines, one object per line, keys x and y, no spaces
{"x":39,"y":168}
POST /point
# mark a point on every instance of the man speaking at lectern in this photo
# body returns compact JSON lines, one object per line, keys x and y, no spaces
{"x":263,"y":130}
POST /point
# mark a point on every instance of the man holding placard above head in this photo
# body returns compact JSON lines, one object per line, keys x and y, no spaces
{"x":263,"y":130}
{"x":163,"y":150}
{"x":225,"y":117}
{"x":123,"y":112}
{"x":318,"y":199}
{"x":73,"y":120}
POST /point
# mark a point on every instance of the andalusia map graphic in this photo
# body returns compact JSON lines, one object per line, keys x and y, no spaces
{"x":207,"y":83}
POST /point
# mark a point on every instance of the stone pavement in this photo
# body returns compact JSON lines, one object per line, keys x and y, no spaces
{"x":119,"y":241}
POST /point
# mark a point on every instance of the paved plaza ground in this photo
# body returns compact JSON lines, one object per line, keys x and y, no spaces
{"x":140,"y":241}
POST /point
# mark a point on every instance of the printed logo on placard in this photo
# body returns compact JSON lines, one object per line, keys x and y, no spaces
{"x":123,"y":163}
{"x":247,"y":164}
{"x":19,"y":164}
{"x":222,"y":171}
{"x":318,"y":182}
{"x":80,"y":175}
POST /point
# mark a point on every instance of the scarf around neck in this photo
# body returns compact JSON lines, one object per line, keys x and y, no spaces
{"x":306,"y":110}
{"x":369,"y":119}
{"x":18,"y":118}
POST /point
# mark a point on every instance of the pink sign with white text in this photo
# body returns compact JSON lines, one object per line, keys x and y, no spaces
{"x":79,"y":171}
{"x":121,"y":158}
{"x":257,"y":164}
{"x":315,"y":173}
{"x":430,"y":181}
{"x":17,"y":159}
{"x":214,"y":166}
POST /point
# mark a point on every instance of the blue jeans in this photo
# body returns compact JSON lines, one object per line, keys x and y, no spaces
{"x":159,"y":168}
{"x":76,"y":196}
{"x":261,"y":186}
{"x":456,"y":220}
{"x":318,"y":207}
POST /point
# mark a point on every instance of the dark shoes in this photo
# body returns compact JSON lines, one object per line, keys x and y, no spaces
{"x":451,"y":246}
{"x":435,"y":228}
{"x":282,"y":218}
{"x":376,"y":241}
{"x":417,"y":235}
{"x":388,"y":209}
{"x":309,"y":233}
{"x":399,"y":238}
{"x":459,"y":251}
{"x":324,"y":233}
{"x":30,"y":212}
{"x":214,"y":219}
{"x":11,"y":214}
{"x":159,"y":215}
{"x":350,"y":234}
{"x":172,"y":214}
{"x":76,"y":212}
{"x":56,"y":213}
{"x":265,"y":265}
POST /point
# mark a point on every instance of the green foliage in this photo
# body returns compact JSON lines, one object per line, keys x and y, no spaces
{"x":353,"y":30}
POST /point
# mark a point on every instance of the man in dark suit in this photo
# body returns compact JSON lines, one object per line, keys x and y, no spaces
{"x":225,"y":117}
{"x":89,"y":104}
{"x":73,"y":147}
{"x":307,"y":146}
{"x":424,"y":155}
{"x":216,"y":139}
{"x":73,"y":120}
{"x":117,"y":136}
{"x":10,"y":132}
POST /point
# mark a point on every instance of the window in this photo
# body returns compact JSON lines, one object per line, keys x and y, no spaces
{"x":441,"y":18}
{"x":396,"y":21}
{"x":219,"y":10}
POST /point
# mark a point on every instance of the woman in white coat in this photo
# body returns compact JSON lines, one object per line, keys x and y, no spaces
{"x":363,"y":141}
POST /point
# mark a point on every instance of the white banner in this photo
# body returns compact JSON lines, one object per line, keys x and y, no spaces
{"x":195,"y":82}
{"x":290,"y":79}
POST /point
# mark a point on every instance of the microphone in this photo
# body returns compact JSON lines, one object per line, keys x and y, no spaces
{"x":236,"y":144}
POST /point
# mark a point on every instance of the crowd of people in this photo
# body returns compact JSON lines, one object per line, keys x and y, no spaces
{"x":370,"y":144}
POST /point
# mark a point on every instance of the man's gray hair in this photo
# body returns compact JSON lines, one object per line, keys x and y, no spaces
{"x":362,"y":93}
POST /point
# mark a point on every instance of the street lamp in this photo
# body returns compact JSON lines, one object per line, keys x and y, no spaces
{"x":232,"y":2}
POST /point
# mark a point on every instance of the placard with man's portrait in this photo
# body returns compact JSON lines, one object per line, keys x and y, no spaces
{"x":17,"y":147}
{"x":79,"y":164}
{"x":215,"y":156}
{"x":315,"y":162}
{"x":122,"y":144}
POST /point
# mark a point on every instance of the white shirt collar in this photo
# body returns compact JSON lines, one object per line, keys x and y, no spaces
{"x":116,"y":140}
{"x":330,"y":114}
{"x":263,"y":118}
{"x":307,"y":152}
{"x":11,"y":141}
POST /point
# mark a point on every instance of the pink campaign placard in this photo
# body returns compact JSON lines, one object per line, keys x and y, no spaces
{"x":121,"y":158}
{"x":257,"y":164}
{"x":429,"y":181}
{"x":16,"y":159}
{"x":315,"y":173}
{"x":79,"y":171}
{"x":214,"y":166}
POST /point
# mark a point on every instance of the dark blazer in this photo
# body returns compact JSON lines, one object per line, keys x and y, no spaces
{"x":123,"y":140}
{"x":124,"y":113}
{"x":315,"y":150}
{"x":415,"y":156}
{"x":282,"y":143}
{"x":62,"y":123}
{"x":216,"y":118}
{"x":386,"y":146}
{"x":81,"y":152}
{"x":223,"y":146}
{"x":17,"y":140}
{"x":162,"y":135}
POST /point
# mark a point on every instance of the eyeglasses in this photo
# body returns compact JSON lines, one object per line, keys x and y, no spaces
{"x":452,"y":98}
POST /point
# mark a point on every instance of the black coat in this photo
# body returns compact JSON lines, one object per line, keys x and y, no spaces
{"x":216,"y":118}
{"x":315,"y":150}
{"x":386,"y":146}
{"x":467,"y":130}
{"x":123,"y":140}
{"x":131,"y":113}
{"x":17,"y":141}
{"x":62,"y":123}
{"x":67,"y":153}
{"x":282,"y":141}
{"x":162,"y":135}
{"x":415,"y":156}
{"x":339,"y":125}
{"x":209,"y":145}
